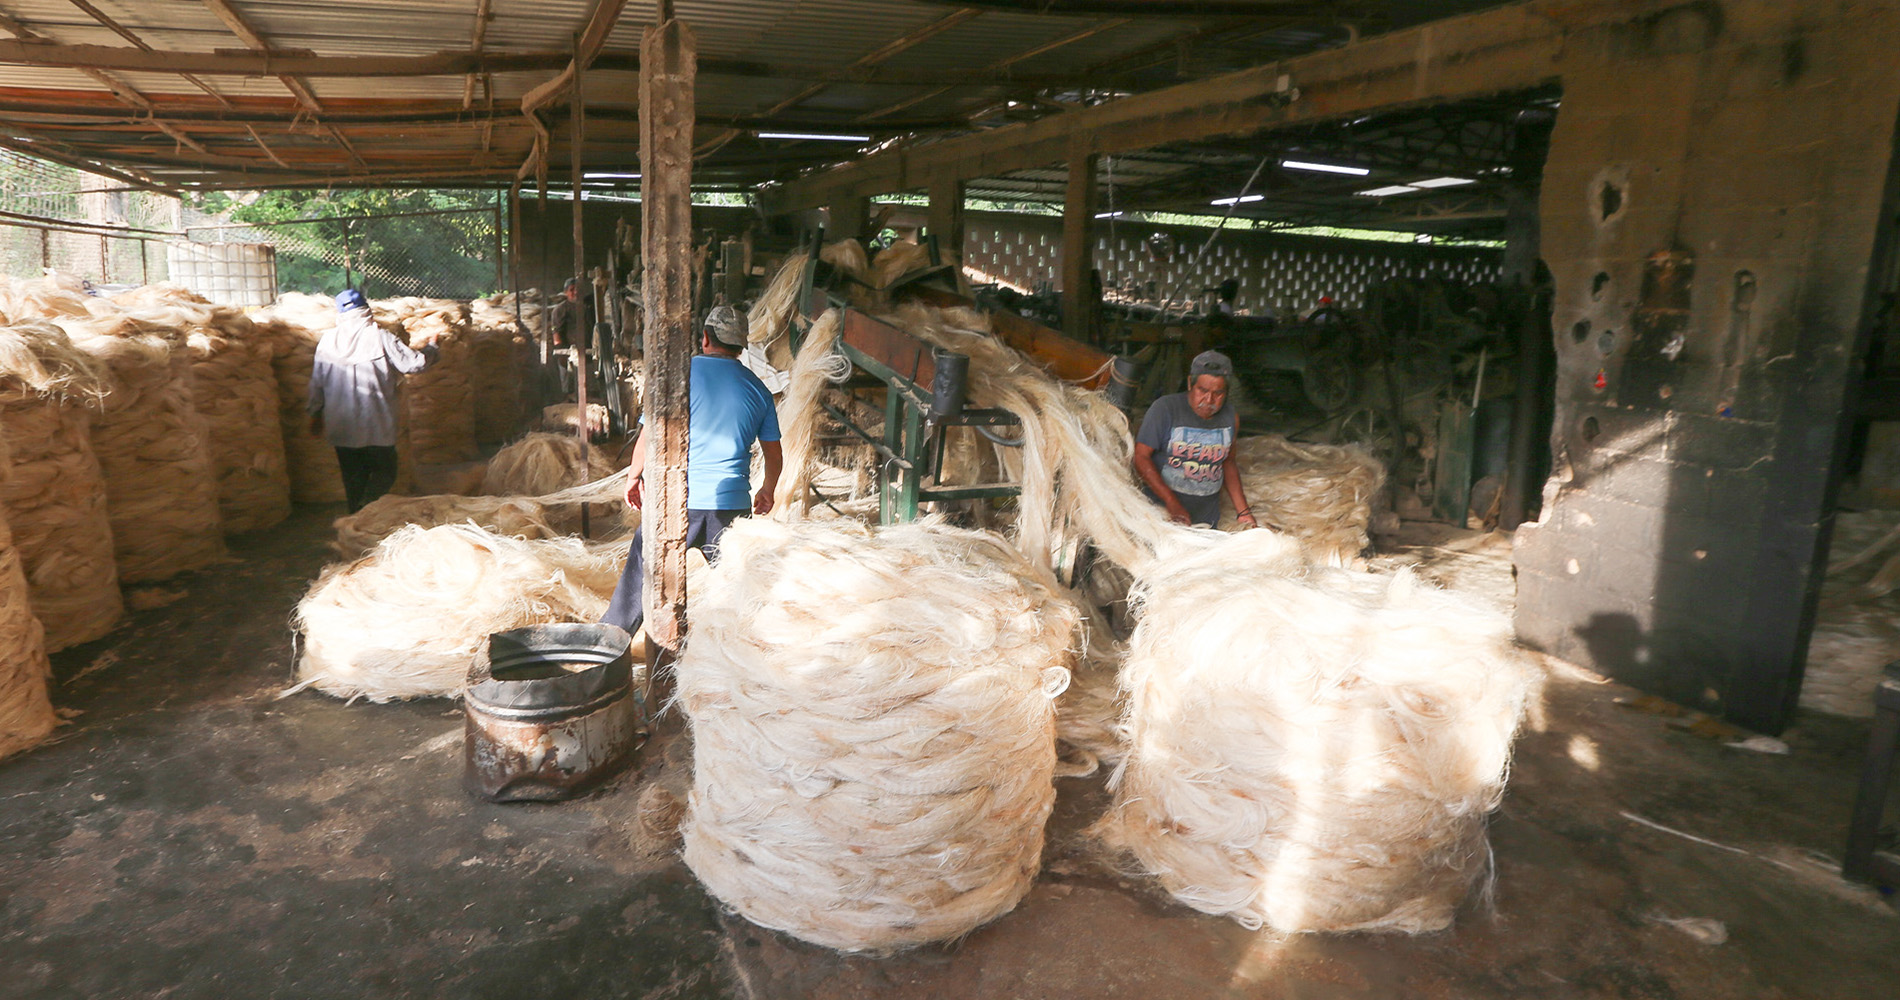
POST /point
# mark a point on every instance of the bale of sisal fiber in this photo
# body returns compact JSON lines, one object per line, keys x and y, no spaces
{"x":565,"y":418}
{"x":235,"y":391}
{"x":1320,"y":494}
{"x":26,"y":711}
{"x":498,"y":353}
{"x":1313,"y":749}
{"x":53,"y":493}
{"x":149,"y":438}
{"x":873,"y":729}
{"x":408,"y":620}
{"x":358,"y":533}
{"x":294,"y":324}
{"x":439,"y":400}
{"x":542,"y":463}
{"x":897,"y":260}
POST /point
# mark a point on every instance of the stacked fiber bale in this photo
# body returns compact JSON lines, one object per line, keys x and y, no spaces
{"x":541,"y":463}
{"x":873,"y":728}
{"x":1313,"y":749}
{"x":53,"y":492}
{"x":1321,"y":494}
{"x":439,"y":400}
{"x":293,"y":325}
{"x":235,"y":389}
{"x":520,"y":517}
{"x":498,"y":351}
{"x":161,"y":494}
{"x":26,"y":710}
{"x":410,"y":618}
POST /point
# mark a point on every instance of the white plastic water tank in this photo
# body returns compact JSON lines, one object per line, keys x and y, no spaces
{"x":234,"y":274}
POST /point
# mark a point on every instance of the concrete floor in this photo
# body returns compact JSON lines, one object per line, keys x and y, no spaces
{"x":190,"y":836}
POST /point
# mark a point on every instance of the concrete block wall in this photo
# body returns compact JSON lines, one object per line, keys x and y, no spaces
{"x":1710,"y":209}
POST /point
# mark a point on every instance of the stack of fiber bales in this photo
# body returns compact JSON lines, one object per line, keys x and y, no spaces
{"x":26,"y":712}
{"x":53,"y":492}
{"x":408,"y":620}
{"x":873,"y":728}
{"x":1321,"y":494}
{"x":150,"y":440}
{"x":236,"y":392}
{"x":499,"y":354}
{"x":439,"y":401}
{"x":1313,"y":749}
{"x":294,"y":324}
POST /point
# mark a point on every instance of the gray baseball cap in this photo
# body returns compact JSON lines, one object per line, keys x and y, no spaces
{"x":727,"y":325}
{"x":1210,"y":363}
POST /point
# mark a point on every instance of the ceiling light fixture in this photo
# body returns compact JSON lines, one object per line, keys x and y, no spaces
{"x":609,"y":177}
{"x":1381,"y":192}
{"x":819,"y":136}
{"x":1443,"y":182}
{"x":1326,"y":168}
{"x":1242,"y":200}
{"x":1108,"y":215}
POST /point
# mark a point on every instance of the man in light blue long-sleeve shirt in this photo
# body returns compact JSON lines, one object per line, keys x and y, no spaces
{"x":353,"y":383}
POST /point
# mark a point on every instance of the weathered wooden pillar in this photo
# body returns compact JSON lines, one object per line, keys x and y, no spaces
{"x":1078,"y":243}
{"x":582,"y":322}
{"x":849,"y":216}
{"x":946,"y":215}
{"x":667,"y":62}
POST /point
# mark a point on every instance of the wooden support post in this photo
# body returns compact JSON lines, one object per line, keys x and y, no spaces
{"x":667,"y":63}
{"x":1078,"y":245}
{"x":583,"y":326}
{"x":849,"y":216}
{"x":946,"y":216}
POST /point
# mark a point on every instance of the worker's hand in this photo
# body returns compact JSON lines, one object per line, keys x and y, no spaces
{"x":762,"y":503}
{"x":316,"y":425}
{"x":1247,"y":520}
{"x":1177,"y":513}
{"x":635,"y":487}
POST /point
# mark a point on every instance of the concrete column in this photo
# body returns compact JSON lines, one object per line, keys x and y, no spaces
{"x":1710,"y":208}
{"x":849,"y":217}
{"x":1078,"y":243}
{"x":667,"y":64}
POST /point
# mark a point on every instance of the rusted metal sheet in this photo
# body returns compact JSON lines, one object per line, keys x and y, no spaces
{"x":554,"y":709}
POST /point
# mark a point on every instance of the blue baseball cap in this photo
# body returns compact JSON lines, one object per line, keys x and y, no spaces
{"x":349,"y":299}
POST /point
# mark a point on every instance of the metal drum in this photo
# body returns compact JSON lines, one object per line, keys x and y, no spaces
{"x":555,"y":709}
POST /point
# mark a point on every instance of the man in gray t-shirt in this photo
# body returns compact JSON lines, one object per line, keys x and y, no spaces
{"x":1182,"y":450}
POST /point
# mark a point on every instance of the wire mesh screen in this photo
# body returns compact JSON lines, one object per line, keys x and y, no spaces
{"x":449,"y":254}
{"x":57,"y":218}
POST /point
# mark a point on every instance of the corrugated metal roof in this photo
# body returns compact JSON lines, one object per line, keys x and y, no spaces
{"x":756,"y":55}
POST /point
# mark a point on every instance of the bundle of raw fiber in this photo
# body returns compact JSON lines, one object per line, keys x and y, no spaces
{"x":26,"y":711}
{"x":159,"y":296}
{"x":897,"y":260}
{"x":770,"y":318}
{"x":520,"y":517}
{"x":498,"y":353}
{"x":51,"y":297}
{"x":1320,"y":494}
{"x":565,"y":418}
{"x":1857,"y":628}
{"x":543,"y":463}
{"x":161,"y":494}
{"x":235,"y":390}
{"x":410,"y":618}
{"x":873,"y":733}
{"x":1313,"y":749}
{"x":293,"y":325}
{"x":53,"y":493}
{"x":440,"y":399}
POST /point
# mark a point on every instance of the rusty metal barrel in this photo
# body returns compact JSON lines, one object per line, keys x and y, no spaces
{"x":555,"y":709}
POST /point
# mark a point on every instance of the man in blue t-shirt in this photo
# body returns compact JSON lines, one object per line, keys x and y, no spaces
{"x":728,"y":409}
{"x":1184,"y":449}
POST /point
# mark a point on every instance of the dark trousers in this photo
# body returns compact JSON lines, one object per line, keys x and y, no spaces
{"x":703,"y":528}
{"x":367,"y":473}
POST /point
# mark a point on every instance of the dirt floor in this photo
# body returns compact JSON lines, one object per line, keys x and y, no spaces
{"x":190,"y":835}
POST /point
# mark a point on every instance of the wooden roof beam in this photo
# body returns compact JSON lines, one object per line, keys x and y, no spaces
{"x":125,"y":92}
{"x":126,"y":33}
{"x":999,"y":66}
{"x":600,"y":24}
{"x":478,"y":36}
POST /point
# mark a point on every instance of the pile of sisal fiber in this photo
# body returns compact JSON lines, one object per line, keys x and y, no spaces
{"x":236,"y":392}
{"x":1320,"y":494}
{"x":439,"y":400}
{"x":26,"y":712}
{"x":149,"y":438}
{"x":293,"y":325}
{"x":52,"y":491}
{"x":873,"y":728}
{"x":410,"y":618}
{"x":498,"y":353}
{"x":542,"y":463}
{"x":358,"y":533}
{"x":1313,"y":749}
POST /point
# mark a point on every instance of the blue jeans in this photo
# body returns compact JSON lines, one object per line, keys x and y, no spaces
{"x":703,"y":528}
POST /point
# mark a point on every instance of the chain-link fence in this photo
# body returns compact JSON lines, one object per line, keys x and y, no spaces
{"x":455,"y":254}
{"x":57,"y":218}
